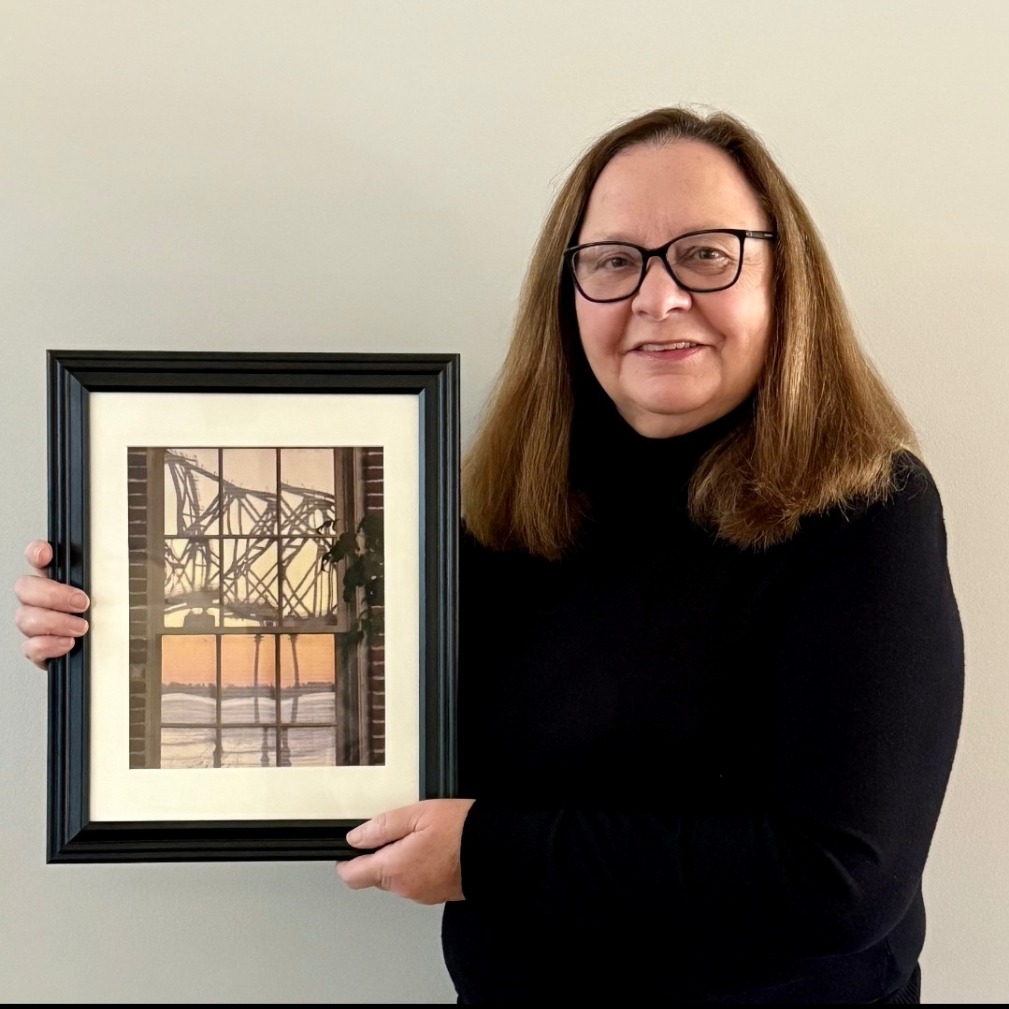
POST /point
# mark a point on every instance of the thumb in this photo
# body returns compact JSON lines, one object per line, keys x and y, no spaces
{"x":382,"y":829}
{"x":39,"y":553}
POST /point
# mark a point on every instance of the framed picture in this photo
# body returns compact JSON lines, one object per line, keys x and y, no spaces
{"x":269,"y":543}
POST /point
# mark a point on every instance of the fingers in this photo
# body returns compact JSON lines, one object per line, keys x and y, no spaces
{"x":42,"y":648}
{"x":48,"y":633}
{"x":373,"y":870}
{"x":418,"y":854}
{"x":361,"y":872}
{"x":39,"y":554}
{"x":32,"y":621}
{"x":44,"y":593}
{"x":48,"y":614}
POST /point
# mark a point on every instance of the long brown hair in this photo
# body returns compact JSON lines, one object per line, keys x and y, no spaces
{"x":825,"y":428}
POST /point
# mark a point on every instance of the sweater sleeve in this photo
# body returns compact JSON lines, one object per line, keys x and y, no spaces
{"x":865,"y":662}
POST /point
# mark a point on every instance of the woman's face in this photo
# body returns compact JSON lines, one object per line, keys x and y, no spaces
{"x":635,"y":347}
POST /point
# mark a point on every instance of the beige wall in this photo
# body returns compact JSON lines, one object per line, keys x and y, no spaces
{"x":369,"y":175}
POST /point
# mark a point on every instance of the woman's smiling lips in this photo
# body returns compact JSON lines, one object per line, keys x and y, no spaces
{"x":674,"y":350}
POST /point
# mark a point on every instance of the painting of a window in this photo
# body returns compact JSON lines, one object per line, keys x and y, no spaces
{"x":256,"y":607}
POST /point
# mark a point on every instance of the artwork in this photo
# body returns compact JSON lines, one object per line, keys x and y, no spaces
{"x":269,"y":545}
{"x":256,"y":604}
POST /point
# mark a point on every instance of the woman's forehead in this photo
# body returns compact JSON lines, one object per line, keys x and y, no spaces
{"x":649,"y":193}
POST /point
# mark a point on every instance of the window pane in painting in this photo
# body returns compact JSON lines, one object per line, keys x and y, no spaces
{"x":309,"y":588}
{"x":192,"y":583}
{"x":249,"y":491}
{"x":192,"y":482}
{"x":250,"y":584}
{"x":308,"y":678}
{"x":248,"y":678}
{"x":189,"y":678}
{"x":248,"y":747}
{"x":310,"y":747}
{"x":188,"y":747}
{"x":308,"y":482}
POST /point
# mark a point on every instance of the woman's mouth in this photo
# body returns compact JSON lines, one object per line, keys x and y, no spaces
{"x":674,"y":351}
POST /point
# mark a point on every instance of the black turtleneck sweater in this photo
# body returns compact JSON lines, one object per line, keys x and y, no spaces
{"x":702,"y":773}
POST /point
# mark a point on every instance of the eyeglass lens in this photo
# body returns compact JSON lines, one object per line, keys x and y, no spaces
{"x":705,"y":262}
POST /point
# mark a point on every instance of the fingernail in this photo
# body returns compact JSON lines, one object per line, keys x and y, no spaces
{"x":81,"y":627}
{"x":79,"y":599}
{"x":38,"y":554}
{"x":353,"y":836}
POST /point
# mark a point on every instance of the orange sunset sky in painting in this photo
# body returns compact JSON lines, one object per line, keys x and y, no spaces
{"x":189,"y":660}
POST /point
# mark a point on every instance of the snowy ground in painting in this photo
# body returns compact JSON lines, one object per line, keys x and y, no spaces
{"x":249,"y":746}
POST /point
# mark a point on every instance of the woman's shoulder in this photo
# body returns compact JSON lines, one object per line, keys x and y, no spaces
{"x":904,"y":522}
{"x":911,"y":501}
{"x":911,"y":479}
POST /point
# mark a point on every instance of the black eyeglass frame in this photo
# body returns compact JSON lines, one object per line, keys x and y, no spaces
{"x":660,"y":252}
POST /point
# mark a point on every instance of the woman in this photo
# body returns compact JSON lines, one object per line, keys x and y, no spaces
{"x":711,"y":660}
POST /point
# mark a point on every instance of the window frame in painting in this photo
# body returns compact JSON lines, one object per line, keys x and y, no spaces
{"x":432,"y":380}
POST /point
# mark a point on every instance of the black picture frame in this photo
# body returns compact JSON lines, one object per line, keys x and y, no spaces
{"x":75,"y":378}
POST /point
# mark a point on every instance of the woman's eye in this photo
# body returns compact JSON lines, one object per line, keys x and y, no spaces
{"x":608,"y":261}
{"x":617,"y":262}
{"x":710,"y":259}
{"x":705,"y":253}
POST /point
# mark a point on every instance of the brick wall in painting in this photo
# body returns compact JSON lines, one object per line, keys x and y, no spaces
{"x":374,"y":504}
{"x":136,"y":518}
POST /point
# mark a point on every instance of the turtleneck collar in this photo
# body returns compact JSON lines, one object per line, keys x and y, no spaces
{"x":623,"y":473}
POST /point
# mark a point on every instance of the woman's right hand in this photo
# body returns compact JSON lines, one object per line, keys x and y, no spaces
{"x":48,"y":611}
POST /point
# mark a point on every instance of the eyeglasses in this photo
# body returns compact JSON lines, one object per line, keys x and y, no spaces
{"x":700,"y":262}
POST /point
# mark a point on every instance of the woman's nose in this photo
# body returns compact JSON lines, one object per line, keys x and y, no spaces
{"x":659,"y":294}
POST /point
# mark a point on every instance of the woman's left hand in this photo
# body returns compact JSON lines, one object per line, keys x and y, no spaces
{"x":418,"y":851}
